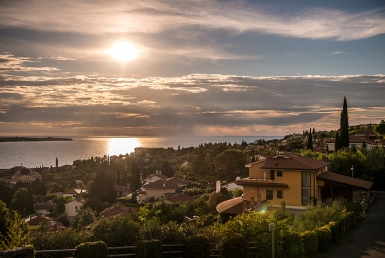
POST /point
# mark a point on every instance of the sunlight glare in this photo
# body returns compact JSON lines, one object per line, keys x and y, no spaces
{"x":123,"y":51}
{"x":117,"y":146}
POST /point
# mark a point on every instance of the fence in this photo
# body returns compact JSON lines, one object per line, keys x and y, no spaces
{"x":124,"y":251}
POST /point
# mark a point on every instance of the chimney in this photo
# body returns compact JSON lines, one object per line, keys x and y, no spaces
{"x":325,"y":158}
{"x":218,"y":186}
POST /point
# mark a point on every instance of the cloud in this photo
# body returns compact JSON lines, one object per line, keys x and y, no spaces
{"x":9,"y":62}
{"x":122,"y":17}
{"x":336,"y":53}
{"x":187,"y":104}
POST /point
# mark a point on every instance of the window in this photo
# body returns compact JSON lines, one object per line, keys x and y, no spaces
{"x":279,"y":194}
{"x":272,"y":175}
{"x":306,"y":187}
{"x":269,"y":194}
{"x":279,"y":173}
{"x":76,"y":207}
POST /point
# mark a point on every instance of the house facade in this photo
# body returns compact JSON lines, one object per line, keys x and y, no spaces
{"x":285,"y":178}
{"x":73,"y":207}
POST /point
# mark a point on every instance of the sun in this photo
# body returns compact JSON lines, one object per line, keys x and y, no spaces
{"x":123,"y":51}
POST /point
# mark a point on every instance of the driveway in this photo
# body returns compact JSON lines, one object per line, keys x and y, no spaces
{"x":367,"y":237}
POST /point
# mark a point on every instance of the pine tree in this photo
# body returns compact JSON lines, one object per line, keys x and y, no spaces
{"x":337,"y":143}
{"x":310,"y":142}
{"x":344,"y":126}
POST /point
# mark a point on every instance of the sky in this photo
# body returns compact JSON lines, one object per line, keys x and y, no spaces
{"x":185,"y":68}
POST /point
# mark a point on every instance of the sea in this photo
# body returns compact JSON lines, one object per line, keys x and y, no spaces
{"x":44,"y":153}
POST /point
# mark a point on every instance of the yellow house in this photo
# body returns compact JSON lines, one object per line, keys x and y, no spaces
{"x":291,"y":179}
{"x":288,"y":178}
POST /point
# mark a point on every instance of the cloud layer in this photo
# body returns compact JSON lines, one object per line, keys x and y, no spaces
{"x":118,"y":16}
{"x":197,"y":104}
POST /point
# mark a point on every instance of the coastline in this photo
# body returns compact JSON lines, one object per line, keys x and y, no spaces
{"x":32,"y":139}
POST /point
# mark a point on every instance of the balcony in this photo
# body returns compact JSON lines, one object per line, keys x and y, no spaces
{"x":260,"y":182}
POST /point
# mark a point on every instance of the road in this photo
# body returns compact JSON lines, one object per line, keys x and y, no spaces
{"x":367,"y":238}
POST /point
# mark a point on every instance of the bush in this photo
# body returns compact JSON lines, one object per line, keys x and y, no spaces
{"x":235,"y":245}
{"x":310,"y":242}
{"x":324,"y":236}
{"x":149,"y":249}
{"x":121,"y":231}
{"x":293,"y":247}
{"x":335,"y":231}
{"x":170,"y":233}
{"x":197,"y":246}
{"x":91,"y":249}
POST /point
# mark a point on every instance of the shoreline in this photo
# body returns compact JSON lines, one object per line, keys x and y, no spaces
{"x":33,"y":139}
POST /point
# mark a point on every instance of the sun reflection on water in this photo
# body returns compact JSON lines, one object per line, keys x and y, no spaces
{"x":117,"y":146}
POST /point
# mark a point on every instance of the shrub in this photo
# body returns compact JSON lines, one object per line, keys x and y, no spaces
{"x":197,"y":246}
{"x":118,"y":232}
{"x":292,"y":247}
{"x":170,"y":233}
{"x":91,"y":249}
{"x":235,"y":245}
{"x":264,"y":245}
{"x":65,"y":239}
{"x":324,"y":237}
{"x":335,"y":230}
{"x":310,"y":242}
{"x":149,"y":249}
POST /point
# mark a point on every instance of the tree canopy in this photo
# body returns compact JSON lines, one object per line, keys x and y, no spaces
{"x":380,"y":128}
{"x":228,"y":161}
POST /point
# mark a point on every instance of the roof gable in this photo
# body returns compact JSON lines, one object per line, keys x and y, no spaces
{"x":292,"y":161}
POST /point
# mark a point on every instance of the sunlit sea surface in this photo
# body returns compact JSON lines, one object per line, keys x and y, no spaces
{"x":36,"y":154}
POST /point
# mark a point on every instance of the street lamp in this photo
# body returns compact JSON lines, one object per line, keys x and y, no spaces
{"x":352,"y":171}
{"x":272,"y":229}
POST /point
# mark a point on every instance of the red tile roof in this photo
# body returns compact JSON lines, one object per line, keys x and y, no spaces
{"x":180,"y":198}
{"x":45,"y":205}
{"x":345,"y":180}
{"x":171,"y":183}
{"x":71,"y":191}
{"x":38,"y":219}
{"x":293,"y":162}
{"x":116,"y":211}
{"x":232,"y":206}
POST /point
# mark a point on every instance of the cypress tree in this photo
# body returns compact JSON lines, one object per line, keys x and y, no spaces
{"x":310,"y":142}
{"x":337,"y":143}
{"x":29,"y":206}
{"x":135,"y":176}
{"x":344,"y":126}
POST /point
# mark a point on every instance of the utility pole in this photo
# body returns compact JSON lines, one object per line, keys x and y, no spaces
{"x":272,"y":229}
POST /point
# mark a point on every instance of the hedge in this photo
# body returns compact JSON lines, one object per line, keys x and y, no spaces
{"x":324,"y":236}
{"x":310,"y":242}
{"x":197,"y":246}
{"x":235,"y":246}
{"x":91,"y":249}
{"x":149,"y":249}
{"x":293,"y":246}
{"x":335,"y":231}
